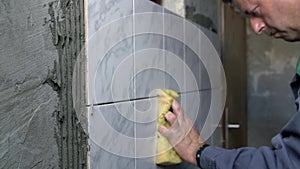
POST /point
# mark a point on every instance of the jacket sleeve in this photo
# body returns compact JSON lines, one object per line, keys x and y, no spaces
{"x":284,"y":153}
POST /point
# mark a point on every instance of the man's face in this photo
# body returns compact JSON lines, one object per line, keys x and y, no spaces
{"x":277,"y":18}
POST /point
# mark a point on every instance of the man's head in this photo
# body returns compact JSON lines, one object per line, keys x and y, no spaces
{"x":278,"y":18}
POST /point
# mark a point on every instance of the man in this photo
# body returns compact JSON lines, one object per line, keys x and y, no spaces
{"x":280,"y":19}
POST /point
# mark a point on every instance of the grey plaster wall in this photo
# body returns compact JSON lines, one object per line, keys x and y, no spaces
{"x":271,"y":66}
{"x":28,"y":104}
{"x":38,"y":128}
{"x":203,"y":12}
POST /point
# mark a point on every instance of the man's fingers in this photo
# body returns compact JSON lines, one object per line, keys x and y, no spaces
{"x":170,"y":117}
{"x":163,"y":130}
{"x":176,"y":108}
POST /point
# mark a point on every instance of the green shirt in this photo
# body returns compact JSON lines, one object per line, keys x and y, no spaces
{"x":298,"y":66}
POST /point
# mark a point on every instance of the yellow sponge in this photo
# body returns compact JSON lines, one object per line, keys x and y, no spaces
{"x":166,"y":155}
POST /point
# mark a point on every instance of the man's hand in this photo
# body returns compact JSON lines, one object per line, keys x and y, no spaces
{"x":182,"y":134}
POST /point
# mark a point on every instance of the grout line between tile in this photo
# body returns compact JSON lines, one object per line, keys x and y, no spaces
{"x":184,"y":45}
{"x":134,"y":81}
{"x":164,"y":46}
{"x":144,"y":98}
{"x":184,"y":53}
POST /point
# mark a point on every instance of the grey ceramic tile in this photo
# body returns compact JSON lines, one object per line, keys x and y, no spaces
{"x":183,"y":69}
{"x":99,"y":158}
{"x":192,"y":43}
{"x":113,"y":75}
{"x":181,"y":33}
{"x":149,"y":72}
{"x":146,"y":130}
{"x":173,"y":25}
{"x":174,"y":47}
{"x":214,"y":38}
{"x":197,"y":71}
{"x":101,"y":13}
{"x":209,"y":49}
{"x":196,"y":105}
{"x":112,"y":135}
{"x":212,"y":62}
{"x":175,"y":67}
{"x":149,"y":43}
{"x":202,"y":49}
{"x":146,"y":112}
{"x":147,"y":17}
{"x":146,"y":6}
{"x":110,"y":48}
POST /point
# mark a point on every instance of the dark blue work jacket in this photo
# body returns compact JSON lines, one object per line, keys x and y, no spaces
{"x":284,"y":153}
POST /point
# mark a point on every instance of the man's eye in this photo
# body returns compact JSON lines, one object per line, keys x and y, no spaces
{"x":252,"y":13}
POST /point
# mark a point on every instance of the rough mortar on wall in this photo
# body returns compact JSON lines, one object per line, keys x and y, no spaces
{"x":28,"y":104}
{"x":38,"y":48}
{"x":67,"y":27}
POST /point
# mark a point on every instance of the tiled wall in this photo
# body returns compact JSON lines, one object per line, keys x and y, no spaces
{"x":123,"y":70}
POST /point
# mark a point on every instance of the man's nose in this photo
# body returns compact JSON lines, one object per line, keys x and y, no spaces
{"x":257,"y":24}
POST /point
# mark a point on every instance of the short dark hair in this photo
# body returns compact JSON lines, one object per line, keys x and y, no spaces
{"x":227,"y":1}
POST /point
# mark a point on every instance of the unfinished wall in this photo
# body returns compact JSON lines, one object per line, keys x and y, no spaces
{"x":68,"y":35}
{"x":39,"y":44}
{"x":270,"y":68}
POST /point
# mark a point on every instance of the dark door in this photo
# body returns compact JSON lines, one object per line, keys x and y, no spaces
{"x":234,"y":61}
